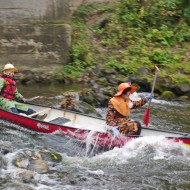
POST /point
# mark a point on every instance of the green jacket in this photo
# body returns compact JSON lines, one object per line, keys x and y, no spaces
{"x":7,"y":104}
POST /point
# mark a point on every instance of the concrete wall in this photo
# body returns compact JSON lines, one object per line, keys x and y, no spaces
{"x":34,"y":33}
{"x":25,"y":11}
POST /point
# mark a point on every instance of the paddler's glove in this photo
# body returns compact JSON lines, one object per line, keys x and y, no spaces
{"x":149,"y":97}
{"x":23,"y":100}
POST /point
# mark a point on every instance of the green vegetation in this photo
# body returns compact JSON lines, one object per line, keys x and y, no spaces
{"x":133,"y":34}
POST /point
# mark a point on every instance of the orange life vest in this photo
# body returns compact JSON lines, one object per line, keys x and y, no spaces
{"x":9,"y":88}
{"x":121,"y":105}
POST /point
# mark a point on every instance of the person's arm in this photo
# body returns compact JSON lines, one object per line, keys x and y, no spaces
{"x":137,"y":104}
{"x":110,"y":117}
{"x":1,"y":84}
{"x":18,"y":96}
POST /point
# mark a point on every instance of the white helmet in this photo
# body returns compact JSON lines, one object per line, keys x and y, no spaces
{"x":10,"y":66}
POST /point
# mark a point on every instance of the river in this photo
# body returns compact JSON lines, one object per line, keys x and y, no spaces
{"x":148,"y":163}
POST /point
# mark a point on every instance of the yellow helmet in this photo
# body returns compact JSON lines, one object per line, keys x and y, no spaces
{"x":10,"y":66}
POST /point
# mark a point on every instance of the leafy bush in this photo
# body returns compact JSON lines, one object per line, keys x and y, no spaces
{"x":136,"y":34}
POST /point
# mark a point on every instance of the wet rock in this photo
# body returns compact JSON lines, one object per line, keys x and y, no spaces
{"x":94,"y":85}
{"x":102,"y":99}
{"x":112,"y":79}
{"x":21,"y":160}
{"x":88,"y":96}
{"x":84,"y":79}
{"x":22,"y":163}
{"x":87,"y":109}
{"x":183,"y":98}
{"x":51,"y":156}
{"x":71,"y":101}
{"x":102,"y":82}
{"x":25,"y":76}
{"x":17,"y":186}
{"x":73,"y":182}
{"x":143,"y":70}
{"x":176,"y":90}
{"x":39,"y":166}
{"x":31,"y":160}
{"x":185,"y":88}
{"x":25,"y":174}
{"x":110,"y":91}
{"x":162,"y":85}
{"x":108,"y":71}
{"x":5,"y":147}
{"x":121,"y":78}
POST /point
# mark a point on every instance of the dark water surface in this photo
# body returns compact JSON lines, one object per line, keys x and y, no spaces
{"x":146,"y":163}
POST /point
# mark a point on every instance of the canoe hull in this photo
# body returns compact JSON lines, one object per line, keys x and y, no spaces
{"x":103,"y":139}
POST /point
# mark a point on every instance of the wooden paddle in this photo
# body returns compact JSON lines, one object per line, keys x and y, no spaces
{"x":146,"y":117}
{"x":33,"y":98}
{"x":36,"y":113}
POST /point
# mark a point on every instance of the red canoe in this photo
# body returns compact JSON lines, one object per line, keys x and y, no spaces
{"x":82,"y":127}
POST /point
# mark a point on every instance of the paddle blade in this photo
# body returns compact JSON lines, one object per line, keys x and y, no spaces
{"x":146,"y":117}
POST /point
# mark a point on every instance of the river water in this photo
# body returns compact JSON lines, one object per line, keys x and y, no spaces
{"x":146,"y":163}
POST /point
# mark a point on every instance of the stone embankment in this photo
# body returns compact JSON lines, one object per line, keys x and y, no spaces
{"x":35,"y":35}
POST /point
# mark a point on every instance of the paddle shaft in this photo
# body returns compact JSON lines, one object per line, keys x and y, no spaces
{"x":146,"y":117}
{"x":154,"y":82}
{"x":31,"y":99}
{"x":36,"y":113}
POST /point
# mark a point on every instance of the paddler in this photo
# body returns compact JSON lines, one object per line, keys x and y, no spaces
{"x":119,"y":108}
{"x":10,"y":98}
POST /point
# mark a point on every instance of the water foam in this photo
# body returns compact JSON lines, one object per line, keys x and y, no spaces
{"x":159,"y":147}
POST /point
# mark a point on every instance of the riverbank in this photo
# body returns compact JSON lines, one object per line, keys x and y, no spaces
{"x":109,"y":47}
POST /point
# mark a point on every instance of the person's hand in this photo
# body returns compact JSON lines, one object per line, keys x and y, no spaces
{"x":149,"y":97}
{"x":130,"y":104}
{"x":23,"y":100}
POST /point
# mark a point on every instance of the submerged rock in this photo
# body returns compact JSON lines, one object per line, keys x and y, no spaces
{"x":39,"y":166}
{"x":31,"y":160}
{"x":26,"y":174}
{"x":51,"y":156}
{"x":16,"y":186}
{"x":21,"y":160}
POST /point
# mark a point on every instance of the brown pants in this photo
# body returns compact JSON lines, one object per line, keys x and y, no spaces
{"x":130,"y":127}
